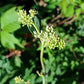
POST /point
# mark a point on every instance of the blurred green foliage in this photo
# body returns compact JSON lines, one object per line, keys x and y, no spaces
{"x":62,"y":66}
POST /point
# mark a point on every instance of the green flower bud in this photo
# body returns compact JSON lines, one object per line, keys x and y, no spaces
{"x":33,"y":12}
{"x":24,"y":18}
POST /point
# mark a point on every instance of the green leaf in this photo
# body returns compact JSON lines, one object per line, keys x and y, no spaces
{"x":82,"y":49}
{"x":37,"y":23}
{"x":81,"y":30}
{"x":5,"y":7}
{"x":63,"y":6}
{"x":51,"y":6}
{"x":8,"y":40}
{"x":72,"y":1}
{"x":70,"y":11}
{"x":59,"y":71}
{"x":21,"y":83}
{"x":12,"y":81}
{"x":11,"y":27}
{"x":18,"y":61}
{"x":9,"y":19}
{"x":78,"y":12}
{"x":82,"y":6}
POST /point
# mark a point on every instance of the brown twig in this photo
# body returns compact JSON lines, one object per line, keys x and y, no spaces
{"x":64,"y":21}
{"x":56,"y":17}
{"x":18,"y":52}
{"x":74,"y":54}
{"x":69,"y":22}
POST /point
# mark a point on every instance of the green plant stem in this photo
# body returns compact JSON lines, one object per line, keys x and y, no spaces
{"x":42,"y":64}
{"x":36,"y":28}
{"x":41,"y":56}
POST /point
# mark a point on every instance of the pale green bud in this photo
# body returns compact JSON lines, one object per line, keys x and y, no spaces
{"x":24,"y":18}
{"x":33,"y":12}
{"x":19,"y":80}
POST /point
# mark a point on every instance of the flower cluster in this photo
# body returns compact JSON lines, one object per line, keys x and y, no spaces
{"x":19,"y":80}
{"x":33,"y":12}
{"x":50,"y":38}
{"x":26,"y":19}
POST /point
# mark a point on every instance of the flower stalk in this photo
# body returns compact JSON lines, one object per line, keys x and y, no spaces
{"x":36,"y":28}
{"x":42,"y":63}
{"x":48,"y":38}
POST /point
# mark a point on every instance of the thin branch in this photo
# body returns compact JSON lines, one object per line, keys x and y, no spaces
{"x":56,"y":17}
{"x":18,"y":52}
{"x":69,"y":22}
{"x":64,"y":21}
{"x":74,"y":54}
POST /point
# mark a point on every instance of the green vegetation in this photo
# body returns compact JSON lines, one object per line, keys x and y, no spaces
{"x":20,"y":47}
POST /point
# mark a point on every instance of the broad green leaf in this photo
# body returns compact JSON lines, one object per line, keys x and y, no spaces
{"x":8,"y":40}
{"x":12,"y":27}
{"x":10,"y":19}
{"x":70,"y":11}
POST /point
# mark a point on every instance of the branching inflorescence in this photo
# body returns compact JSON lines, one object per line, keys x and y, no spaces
{"x":26,"y":19}
{"x":48,"y":37}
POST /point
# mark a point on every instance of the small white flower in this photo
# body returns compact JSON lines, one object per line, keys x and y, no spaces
{"x":50,"y":38}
